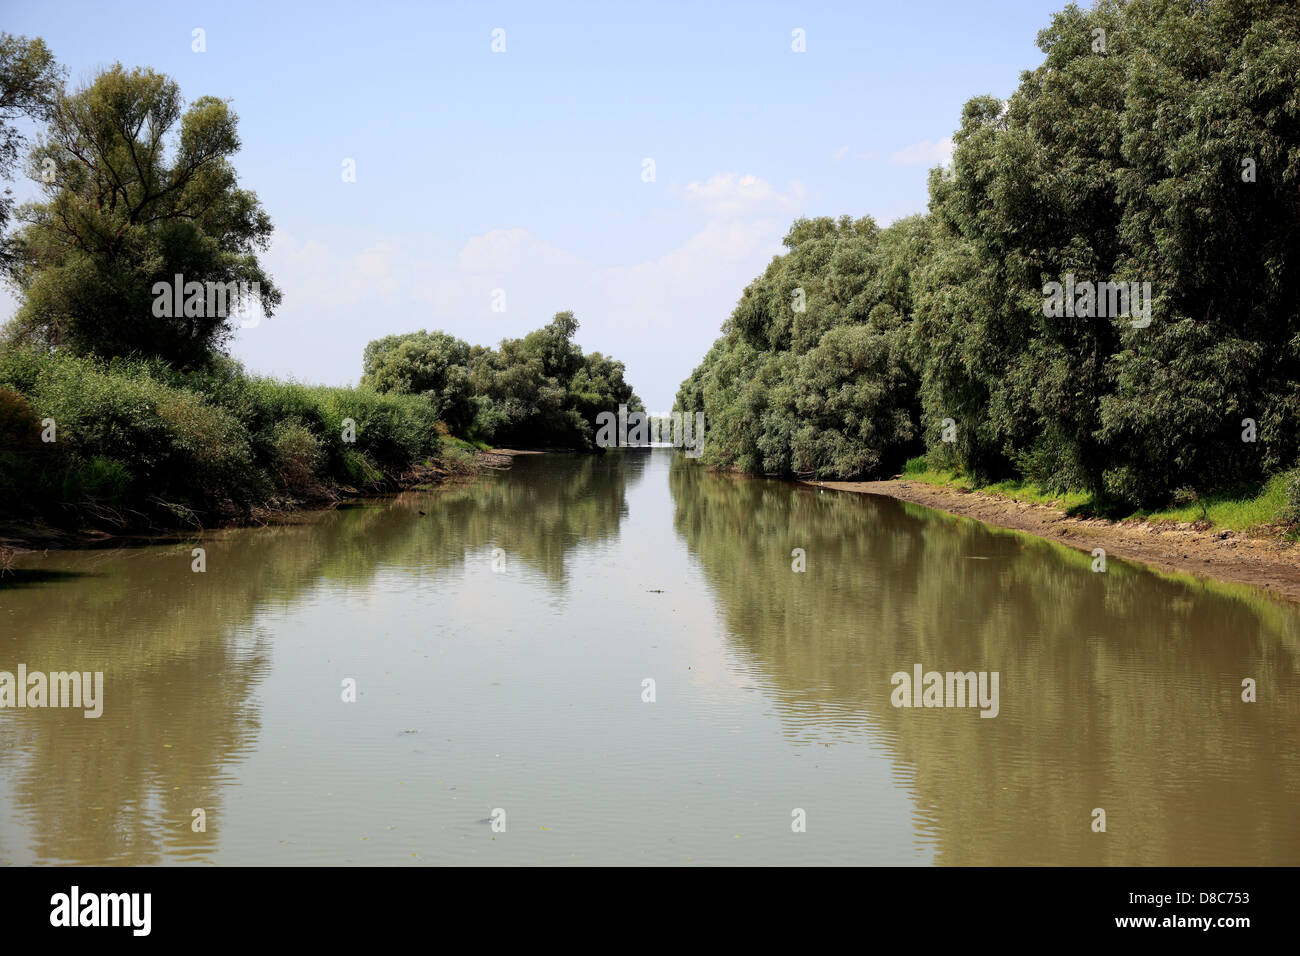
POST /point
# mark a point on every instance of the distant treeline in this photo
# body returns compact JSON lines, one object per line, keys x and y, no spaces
{"x":1158,"y":142}
{"x":540,"y":391}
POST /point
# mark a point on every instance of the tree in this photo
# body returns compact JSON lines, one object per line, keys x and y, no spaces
{"x":811,"y":376}
{"x":599,"y":386}
{"x":1156,"y":146}
{"x":1121,"y":160}
{"x":433,"y":364}
{"x":538,"y":391}
{"x":29,"y":82}
{"x":553,"y":344}
{"x":122,"y":218}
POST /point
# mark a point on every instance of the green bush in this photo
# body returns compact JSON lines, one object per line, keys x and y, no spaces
{"x":20,"y":430}
{"x":390,"y":430}
{"x":19,"y":369}
{"x":102,"y":413}
{"x":356,"y":469}
{"x":23,"y":456}
{"x":208,"y":453}
{"x":1291,"y":508}
{"x":138,"y":435}
{"x":299,"y":456}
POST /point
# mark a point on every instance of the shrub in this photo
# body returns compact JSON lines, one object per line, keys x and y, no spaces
{"x":23,"y":456}
{"x":207,"y":453}
{"x":20,"y":430}
{"x":1291,"y":509}
{"x":391,"y":430}
{"x":298,"y":457}
{"x":139,"y":435}
{"x":357,"y":469}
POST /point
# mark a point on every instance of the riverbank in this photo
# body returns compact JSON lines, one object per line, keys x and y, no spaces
{"x":1269,"y":562}
{"x":455,"y":466}
{"x":94,"y":450}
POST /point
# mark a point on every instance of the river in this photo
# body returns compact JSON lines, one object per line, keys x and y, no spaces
{"x":501,"y":636}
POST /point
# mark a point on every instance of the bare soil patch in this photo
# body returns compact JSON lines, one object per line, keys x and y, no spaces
{"x":1271,"y":563}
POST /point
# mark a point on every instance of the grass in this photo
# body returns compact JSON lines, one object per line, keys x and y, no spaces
{"x":458,"y":456}
{"x":918,"y":469}
{"x":1245,"y":510}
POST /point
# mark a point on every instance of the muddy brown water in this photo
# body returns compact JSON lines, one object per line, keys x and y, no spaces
{"x":500,"y":644}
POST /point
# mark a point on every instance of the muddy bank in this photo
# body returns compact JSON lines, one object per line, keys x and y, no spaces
{"x":16,"y":539}
{"x":1270,"y":563}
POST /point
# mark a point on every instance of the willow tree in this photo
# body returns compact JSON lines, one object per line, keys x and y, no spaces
{"x":810,"y":376}
{"x":540,"y":390}
{"x":1159,"y":143}
{"x":137,"y":190}
{"x":433,"y":364}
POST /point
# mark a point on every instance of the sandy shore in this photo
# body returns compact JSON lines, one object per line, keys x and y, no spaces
{"x":1270,"y":563}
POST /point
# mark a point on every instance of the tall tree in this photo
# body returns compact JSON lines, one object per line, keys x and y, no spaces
{"x":125,"y":214}
{"x":29,"y":82}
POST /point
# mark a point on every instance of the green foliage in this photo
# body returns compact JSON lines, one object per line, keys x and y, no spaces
{"x":143,"y":191}
{"x":1122,"y":164}
{"x":99,"y":481}
{"x":538,"y":391}
{"x":392,"y":431}
{"x":178,"y":447}
{"x":23,"y":456}
{"x":297,"y":456}
{"x":137,"y":436}
{"x":1290,"y":511}
{"x":356,"y":469}
{"x":433,"y":364}
{"x":812,"y":375}
{"x":19,"y":427}
{"x":29,"y":83}
{"x":1126,"y":165}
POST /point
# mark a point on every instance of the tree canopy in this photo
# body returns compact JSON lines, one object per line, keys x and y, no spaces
{"x":138,"y":190}
{"x":1157,"y":143}
{"x":29,"y":82}
{"x":537,"y":391}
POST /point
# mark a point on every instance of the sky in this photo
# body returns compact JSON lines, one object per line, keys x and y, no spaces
{"x":519,"y":178}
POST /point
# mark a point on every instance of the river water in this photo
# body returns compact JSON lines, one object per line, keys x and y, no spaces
{"x":501,"y":634}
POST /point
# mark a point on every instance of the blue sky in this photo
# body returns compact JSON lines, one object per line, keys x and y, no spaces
{"x":523,"y":170}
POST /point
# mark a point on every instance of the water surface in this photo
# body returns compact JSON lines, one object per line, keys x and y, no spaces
{"x":499,"y":634}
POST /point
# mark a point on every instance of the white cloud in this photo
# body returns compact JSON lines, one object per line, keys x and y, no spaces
{"x":320,"y":277}
{"x":924,"y":153}
{"x":730,"y":195}
{"x":844,"y":151}
{"x":698,"y":281}
{"x":659,"y":316}
{"x":509,"y":248}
